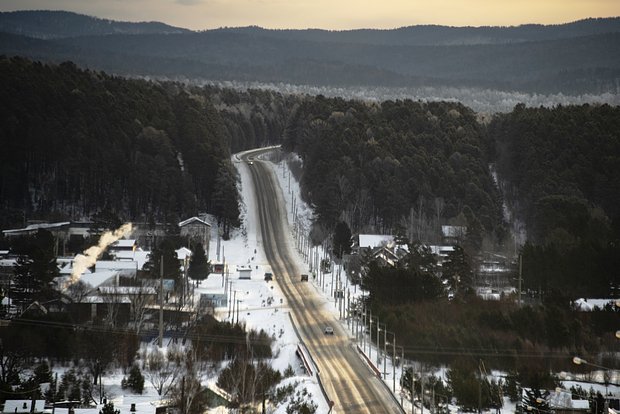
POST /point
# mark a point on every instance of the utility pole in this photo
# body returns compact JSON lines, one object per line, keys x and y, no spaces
{"x":161,"y":302}
{"x":394,"y":364}
{"x":233,"y":307}
{"x":378,"y":330}
{"x":385,"y":352}
{"x":412,"y":392}
{"x":238,"y":300}
{"x":520,"y":275}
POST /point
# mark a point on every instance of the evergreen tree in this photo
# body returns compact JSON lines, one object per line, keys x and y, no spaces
{"x":167,"y":250}
{"x":226,"y":198}
{"x":108,"y":408}
{"x":457,"y":270}
{"x":42,"y":373}
{"x":342,"y":240}
{"x":35,"y":269}
{"x":199,"y":268}
{"x":135,"y":382}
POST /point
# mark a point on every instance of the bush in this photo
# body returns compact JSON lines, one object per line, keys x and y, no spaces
{"x":301,"y":404}
{"x":135,"y":382}
{"x":108,"y":408}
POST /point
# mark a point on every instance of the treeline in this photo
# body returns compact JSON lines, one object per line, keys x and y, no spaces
{"x":252,"y":117}
{"x":75,"y":142}
{"x":402,"y":167}
{"x":561,"y":171}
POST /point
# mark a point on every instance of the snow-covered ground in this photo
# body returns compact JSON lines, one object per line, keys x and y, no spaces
{"x":260,"y":304}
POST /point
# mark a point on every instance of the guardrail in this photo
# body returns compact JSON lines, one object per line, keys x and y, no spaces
{"x":369,"y":362}
{"x":302,"y":355}
{"x":318,"y":371}
{"x":378,"y":374}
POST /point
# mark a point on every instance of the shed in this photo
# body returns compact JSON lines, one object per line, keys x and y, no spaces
{"x":245,"y":273}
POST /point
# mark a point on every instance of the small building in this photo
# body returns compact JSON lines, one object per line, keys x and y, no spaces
{"x":245,"y":273}
{"x":197,"y":230}
{"x":370,"y":241}
{"x":453,"y":234}
{"x":123,"y":245}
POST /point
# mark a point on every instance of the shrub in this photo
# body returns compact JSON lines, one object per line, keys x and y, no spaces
{"x":135,"y":382}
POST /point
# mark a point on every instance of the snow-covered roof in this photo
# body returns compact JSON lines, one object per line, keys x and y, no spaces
{"x":588,"y":305}
{"x":193,"y":220}
{"x":183,"y":253}
{"x":127,"y":290}
{"x":116,"y":265}
{"x":38,"y":226}
{"x":7,"y":262}
{"x":123,"y":243}
{"x":94,"y":280}
{"x":139,"y":256}
{"x":374,"y":240}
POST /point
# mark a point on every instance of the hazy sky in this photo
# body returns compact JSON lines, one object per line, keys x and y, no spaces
{"x":330,"y":14}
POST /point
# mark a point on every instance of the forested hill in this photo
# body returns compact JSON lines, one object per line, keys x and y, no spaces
{"x":407,"y":167}
{"x":561,"y":173}
{"x":76,"y":142}
{"x":402,"y":167}
{"x":48,"y":24}
{"x":576,"y":58}
{"x":435,"y":35}
{"x":562,"y":169}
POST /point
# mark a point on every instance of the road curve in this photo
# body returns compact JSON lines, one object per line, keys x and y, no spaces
{"x":348,"y":381}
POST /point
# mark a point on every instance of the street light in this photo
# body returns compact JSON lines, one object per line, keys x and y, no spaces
{"x":580,"y":361}
{"x":402,"y":371}
{"x":393,"y":360}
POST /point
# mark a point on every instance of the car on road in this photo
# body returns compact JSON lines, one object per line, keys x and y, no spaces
{"x":328,"y":330}
{"x":304,"y":278}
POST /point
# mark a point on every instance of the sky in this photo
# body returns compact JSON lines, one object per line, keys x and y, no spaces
{"x":330,"y":14}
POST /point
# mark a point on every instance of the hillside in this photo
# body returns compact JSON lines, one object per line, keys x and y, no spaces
{"x":47,"y":24}
{"x":576,"y":58}
{"x":76,"y":142}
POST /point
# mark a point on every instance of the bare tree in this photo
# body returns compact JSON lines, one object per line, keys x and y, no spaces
{"x":113,"y":298}
{"x":188,"y":393}
{"x":139,"y":306}
{"x":162,"y":370}
{"x":78,"y":291}
{"x":11,"y":363}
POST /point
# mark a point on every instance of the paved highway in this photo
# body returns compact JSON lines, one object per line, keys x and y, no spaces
{"x":347,"y":379}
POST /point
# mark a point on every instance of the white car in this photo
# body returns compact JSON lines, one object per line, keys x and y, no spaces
{"x":329,"y":330}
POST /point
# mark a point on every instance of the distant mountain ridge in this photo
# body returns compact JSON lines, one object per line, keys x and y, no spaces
{"x":49,"y":24}
{"x":576,"y":58}
{"x":437,"y":35}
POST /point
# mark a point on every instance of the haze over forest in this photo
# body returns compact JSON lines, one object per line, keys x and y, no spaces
{"x":488,"y":68}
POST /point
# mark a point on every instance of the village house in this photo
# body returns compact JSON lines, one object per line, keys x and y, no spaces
{"x":198,"y":231}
